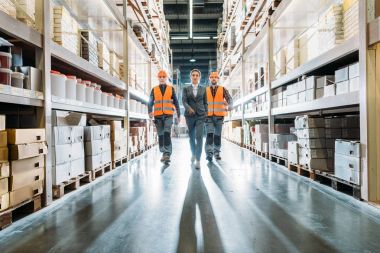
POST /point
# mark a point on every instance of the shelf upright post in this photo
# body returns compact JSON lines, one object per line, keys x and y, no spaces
{"x":369,"y":109}
{"x":125,"y":69}
{"x":243,"y":84}
{"x":270,"y":78}
{"x":43,"y":62}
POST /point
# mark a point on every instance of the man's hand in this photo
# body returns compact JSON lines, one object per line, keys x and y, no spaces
{"x":151,"y":115}
{"x":191,"y":111}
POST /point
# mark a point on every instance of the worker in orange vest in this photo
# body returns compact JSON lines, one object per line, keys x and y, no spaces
{"x":219,"y":101}
{"x":163,"y":104}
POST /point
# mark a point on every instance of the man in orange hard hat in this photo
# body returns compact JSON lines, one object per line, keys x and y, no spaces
{"x":219,"y":101}
{"x":163,"y":103}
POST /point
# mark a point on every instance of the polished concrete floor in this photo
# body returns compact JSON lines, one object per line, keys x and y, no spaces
{"x":241,"y":204}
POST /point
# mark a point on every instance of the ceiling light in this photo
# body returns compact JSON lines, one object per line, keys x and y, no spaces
{"x":180,"y":38}
{"x":192,"y":60}
{"x":215,"y":37}
{"x":191,"y":18}
{"x":201,"y":38}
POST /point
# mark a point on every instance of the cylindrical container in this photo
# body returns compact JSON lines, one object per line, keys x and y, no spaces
{"x":90,"y":94}
{"x":58,"y":84}
{"x":81,"y":92}
{"x":17,"y":80}
{"x":5,"y":76}
{"x":71,"y":87}
{"x":122,"y":104}
{"x":98,"y":97}
{"x":5,"y":60}
{"x":139,"y":107}
{"x":111,"y":100}
{"x":132,"y":105}
{"x":104,"y":99}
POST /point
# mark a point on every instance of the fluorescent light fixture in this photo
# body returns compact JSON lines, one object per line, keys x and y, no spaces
{"x":192,"y":60}
{"x":215,"y":37}
{"x":191,"y":18}
{"x":180,"y":38}
{"x":201,"y":38}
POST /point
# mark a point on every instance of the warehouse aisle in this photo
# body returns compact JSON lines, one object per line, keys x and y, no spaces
{"x":242,"y":204}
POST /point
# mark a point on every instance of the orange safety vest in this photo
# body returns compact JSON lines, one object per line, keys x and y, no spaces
{"x":163,"y":104}
{"x":216,"y":105}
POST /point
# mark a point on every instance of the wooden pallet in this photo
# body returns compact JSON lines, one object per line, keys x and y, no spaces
{"x":262,"y":154}
{"x":279,"y":160}
{"x":100,"y":171}
{"x":338,"y":184}
{"x":119,"y":162}
{"x":72,"y":184}
{"x":21,"y":210}
{"x":302,"y":171}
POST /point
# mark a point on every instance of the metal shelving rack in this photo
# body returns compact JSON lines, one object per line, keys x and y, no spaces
{"x":49,"y":54}
{"x":281,"y":27}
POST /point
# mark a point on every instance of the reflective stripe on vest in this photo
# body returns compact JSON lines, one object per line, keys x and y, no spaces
{"x":216,"y":105}
{"x":163,"y":104}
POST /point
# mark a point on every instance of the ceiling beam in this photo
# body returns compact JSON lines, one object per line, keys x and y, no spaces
{"x":176,"y":2}
{"x":195,"y":16}
{"x":191,"y":41}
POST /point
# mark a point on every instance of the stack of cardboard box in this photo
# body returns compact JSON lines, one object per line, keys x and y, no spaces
{"x":27,"y":154}
{"x":97,"y":147}
{"x":88,"y":46}
{"x":350,"y":18}
{"x":68,"y":145}
{"x":118,"y":140}
{"x":4,"y":166}
{"x":138,"y":137}
{"x":347,"y":160}
{"x":262,"y":138}
{"x":279,"y":141}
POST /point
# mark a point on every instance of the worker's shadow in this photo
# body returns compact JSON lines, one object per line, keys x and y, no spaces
{"x":197,"y":196}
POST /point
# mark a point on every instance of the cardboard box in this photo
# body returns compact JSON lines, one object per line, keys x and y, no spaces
{"x":106,"y":144}
{"x":68,"y":135}
{"x":342,"y":87}
{"x":333,"y":133}
{"x":310,"y":95}
{"x":311,"y":133}
{"x":330,"y":143}
{"x":347,"y":168}
{"x":61,"y":173}
{"x":341,"y":75}
{"x":353,"y":70}
{"x":311,"y":82}
{"x":25,"y":178}
{"x":93,"y":133}
{"x":93,"y":147}
{"x":4,"y":170}
{"x":63,"y":118}
{"x":354,"y":84}
{"x":4,"y":201}
{"x":3,"y":154}
{"x":107,"y":157}
{"x":324,"y":81}
{"x":351,"y":134}
{"x":313,"y":153}
{"x":351,"y":122}
{"x":25,"y":193}
{"x":2,"y":122}
{"x":302,"y":97}
{"x":261,"y":129}
{"x":302,"y":122}
{"x":316,"y":164}
{"x":292,"y":99}
{"x":333,"y":122}
{"x":347,"y":148}
{"x":319,"y":93}
{"x":77,"y":167}
{"x":312,"y":143}
{"x":29,"y":164}
{"x":22,"y":136}
{"x":3,"y":139}
{"x":329,"y":90}
{"x":115,"y":124}
{"x":119,"y":154}
{"x":24,"y":151}
{"x":77,"y":151}
{"x":293,"y":152}
{"x":93,"y":162}
{"x":62,"y":154}
{"x":4,"y":186}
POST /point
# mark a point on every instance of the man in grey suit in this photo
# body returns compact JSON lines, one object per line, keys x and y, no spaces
{"x":194,"y":100}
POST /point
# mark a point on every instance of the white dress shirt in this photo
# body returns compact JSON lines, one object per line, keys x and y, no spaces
{"x":195,"y":89}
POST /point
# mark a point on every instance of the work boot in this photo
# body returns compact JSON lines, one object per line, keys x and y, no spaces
{"x":162,"y":158}
{"x":167,"y":158}
{"x":209,"y":158}
{"x":197,"y":165}
{"x":217,"y":156}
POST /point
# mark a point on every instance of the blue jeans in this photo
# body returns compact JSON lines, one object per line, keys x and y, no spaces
{"x":164,"y":128}
{"x":196,"y":125}
{"x":214,"y":135}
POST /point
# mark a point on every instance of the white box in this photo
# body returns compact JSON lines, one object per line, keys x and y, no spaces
{"x":347,"y":148}
{"x":343,"y":164}
{"x":305,"y":121}
{"x":93,"y":162}
{"x":293,"y":152}
{"x":341,"y":75}
{"x":310,"y":95}
{"x":77,"y":134}
{"x":316,"y":164}
{"x":62,"y":135}
{"x":312,"y":143}
{"x":77,"y":151}
{"x":332,"y":133}
{"x":302,"y":97}
{"x":77,"y":167}
{"x":354,"y":84}
{"x":319,"y":93}
{"x":342,"y":87}
{"x":61,"y":154}
{"x":61,"y":173}
{"x":324,"y":81}
{"x":353,"y":70}
{"x":329,"y":90}
{"x":292,"y":99}
{"x":312,"y":133}
{"x":106,"y":144}
{"x":93,"y":147}
{"x":347,"y":174}
{"x":106,"y":157}
{"x":301,"y":86}
{"x":311,"y":82}
{"x":93,"y":133}
{"x":333,"y":122}
{"x":63,"y":118}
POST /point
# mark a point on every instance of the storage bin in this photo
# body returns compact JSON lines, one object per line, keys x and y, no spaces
{"x":58,"y":84}
{"x":98,"y":95}
{"x":5,"y":76}
{"x":71,"y":87}
{"x":122,"y":104}
{"x":104,"y":99}
{"x":90,"y":94}
{"x":116,"y":103}
{"x":5,"y":60}
{"x":110,"y":100}
{"x":17,"y":80}
{"x":81,"y":92}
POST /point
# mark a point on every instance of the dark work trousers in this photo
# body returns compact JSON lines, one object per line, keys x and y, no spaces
{"x":195,"y":125}
{"x":164,"y":126}
{"x":214,"y":126}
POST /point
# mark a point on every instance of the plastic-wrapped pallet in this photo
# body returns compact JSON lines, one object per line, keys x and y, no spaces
{"x":97,"y":146}
{"x":261,"y":137}
{"x":278,"y":144}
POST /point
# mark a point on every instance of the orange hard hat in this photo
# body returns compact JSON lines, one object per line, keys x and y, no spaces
{"x":162,"y":73}
{"x":214,"y":75}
